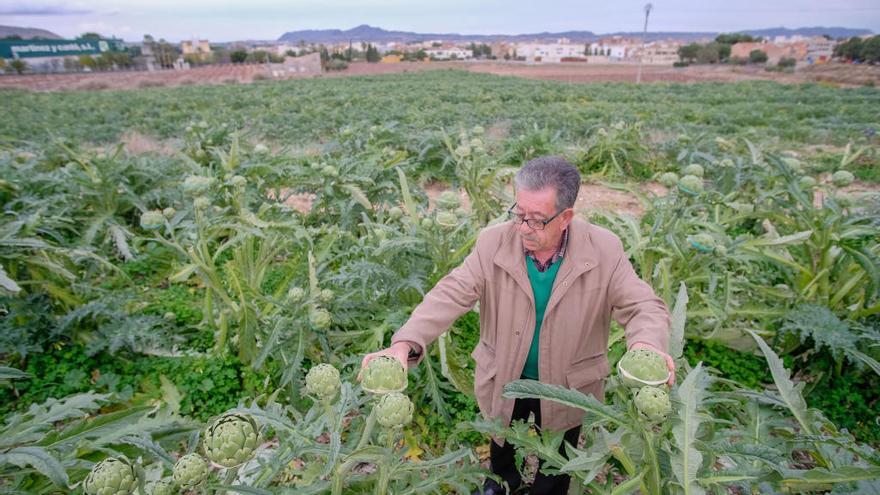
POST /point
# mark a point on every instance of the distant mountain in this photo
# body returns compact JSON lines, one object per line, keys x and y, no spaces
{"x":27,"y":33}
{"x":379,"y":35}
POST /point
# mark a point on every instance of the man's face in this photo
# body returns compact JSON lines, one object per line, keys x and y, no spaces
{"x":540,"y":205}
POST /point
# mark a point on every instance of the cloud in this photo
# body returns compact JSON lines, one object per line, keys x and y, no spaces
{"x":44,"y":9}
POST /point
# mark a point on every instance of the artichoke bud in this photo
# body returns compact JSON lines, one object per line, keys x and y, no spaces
{"x":640,"y":367}
{"x":394,"y":410}
{"x":238,"y":181}
{"x":161,"y":487}
{"x":190,"y":471}
{"x":201,"y":203}
{"x":197,"y":185}
{"x":427,"y":223}
{"x":449,"y":200}
{"x":669,"y":179}
{"x":325,"y":296}
{"x":807,"y":182}
{"x":330,"y":171}
{"x":169,"y":212}
{"x":447,"y":219}
{"x":842,"y":178}
{"x":691,"y":184}
{"x":231,"y":439}
{"x":693,"y":169}
{"x":653,"y":403}
{"x":296,"y":294}
{"x":320,"y":318}
{"x":112,"y":476}
{"x":395,"y":212}
{"x":152,"y":220}
{"x":384,"y":374}
{"x":322,"y":381}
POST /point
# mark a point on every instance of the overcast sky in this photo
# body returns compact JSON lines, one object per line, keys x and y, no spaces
{"x":228,"y":20}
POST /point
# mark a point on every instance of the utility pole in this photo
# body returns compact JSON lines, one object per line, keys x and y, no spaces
{"x":648,"y":8}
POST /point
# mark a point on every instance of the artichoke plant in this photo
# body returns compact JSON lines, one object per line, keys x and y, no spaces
{"x":322,"y":381}
{"x":112,"y":476}
{"x":394,"y":410}
{"x":231,"y":439}
{"x":383,"y":375}
{"x":694,"y":169}
{"x":640,"y":367}
{"x":653,"y":403}
{"x":190,"y":471}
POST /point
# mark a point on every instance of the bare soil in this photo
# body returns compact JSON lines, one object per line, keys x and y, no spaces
{"x":574,"y":72}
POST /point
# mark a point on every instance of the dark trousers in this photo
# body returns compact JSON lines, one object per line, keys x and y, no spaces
{"x":504,"y":461}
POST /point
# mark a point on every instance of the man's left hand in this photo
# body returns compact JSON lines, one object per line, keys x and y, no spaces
{"x":670,"y":363}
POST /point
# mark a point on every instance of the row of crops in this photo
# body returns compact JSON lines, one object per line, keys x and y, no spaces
{"x":170,"y":322}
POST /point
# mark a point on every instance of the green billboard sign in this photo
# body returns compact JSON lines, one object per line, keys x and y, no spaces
{"x":24,"y":49}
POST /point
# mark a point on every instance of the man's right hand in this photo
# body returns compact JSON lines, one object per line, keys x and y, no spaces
{"x":399,"y":351}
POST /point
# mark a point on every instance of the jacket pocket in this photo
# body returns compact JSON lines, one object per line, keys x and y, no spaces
{"x":484,"y":378}
{"x":586,"y":371}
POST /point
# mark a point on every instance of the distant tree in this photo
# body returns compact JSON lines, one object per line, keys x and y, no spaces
{"x":325,"y":56}
{"x":87,"y":62}
{"x":827,"y":37}
{"x":688,"y":53}
{"x":166,"y":53}
{"x":421,"y":55}
{"x":276,"y":59}
{"x":12,"y":37}
{"x":870,"y":51}
{"x":18,"y":65}
{"x":91,"y":36}
{"x":733,"y":38}
{"x":757,"y":57}
{"x":290,"y":53}
{"x":724,"y":51}
{"x":786,"y":62}
{"x":258,"y":56}
{"x":710,"y":53}
{"x":373,"y":55}
{"x":850,"y":49}
{"x":238,"y":56}
{"x":3,"y":64}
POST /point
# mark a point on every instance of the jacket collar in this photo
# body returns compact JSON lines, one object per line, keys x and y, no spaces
{"x":580,"y":255}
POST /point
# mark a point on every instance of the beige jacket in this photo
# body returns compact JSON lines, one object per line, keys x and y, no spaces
{"x":595,"y":283}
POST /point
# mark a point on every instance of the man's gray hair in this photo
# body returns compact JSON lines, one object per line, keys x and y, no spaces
{"x":551,"y":171}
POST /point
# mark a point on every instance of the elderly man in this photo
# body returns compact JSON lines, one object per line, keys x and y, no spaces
{"x":548,"y":284}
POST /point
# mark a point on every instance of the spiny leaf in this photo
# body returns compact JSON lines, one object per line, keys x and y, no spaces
{"x":40,"y":459}
{"x":687,"y":460}
{"x":679,"y":316}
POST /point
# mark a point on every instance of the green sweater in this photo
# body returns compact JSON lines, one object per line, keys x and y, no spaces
{"x":542,"y":285}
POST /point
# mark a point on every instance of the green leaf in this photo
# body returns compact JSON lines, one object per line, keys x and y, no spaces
{"x":687,"y":460}
{"x":679,"y":316}
{"x":787,"y":390}
{"x":7,"y":373}
{"x":525,"y":389}
{"x":819,"y":476}
{"x":628,"y":486}
{"x":7,"y":283}
{"x":40,"y":459}
{"x":170,"y":394}
{"x":358,"y":195}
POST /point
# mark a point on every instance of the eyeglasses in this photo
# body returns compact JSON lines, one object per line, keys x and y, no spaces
{"x":533,"y":223}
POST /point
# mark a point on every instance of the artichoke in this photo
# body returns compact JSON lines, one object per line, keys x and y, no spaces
{"x":395,"y":212}
{"x":807,"y":182}
{"x":197,"y":185}
{"x":394,"y":410}
{"x":427,"y":223}
{"x":231,"y":439}
{"x":296,"y":294}
{"x":320,"y":318}
{"x":478,"y":129}
{"x":693,"y":169}
{"x":261,"y":148}
{"x":169,"y":213}
{"x":161,"y":487}
{"x":330,"y":171}
{"x":447,"y":219}
{"x":640,"y":367}
{"x":152,"y":220}
{"x":702,"y":242}
{"x":202,"y":203}
{"x":383,"y":375}
{"x":669,"y":179}
{"x":325,"y":296}
{"x":449,"y":200}
{"x":112,"y":476}
{"x":653,"y":403}
{"x":238,"y":181}
{"x":190,"y":471}
{"x":691,"y":184}
{"x":323,"y":381}
{"x":842,"y":178}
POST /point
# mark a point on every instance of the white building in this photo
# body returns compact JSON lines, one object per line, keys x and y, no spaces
{"x":449,"y":53}
{"x":550,"y":52}
{"x":614,"y":51}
